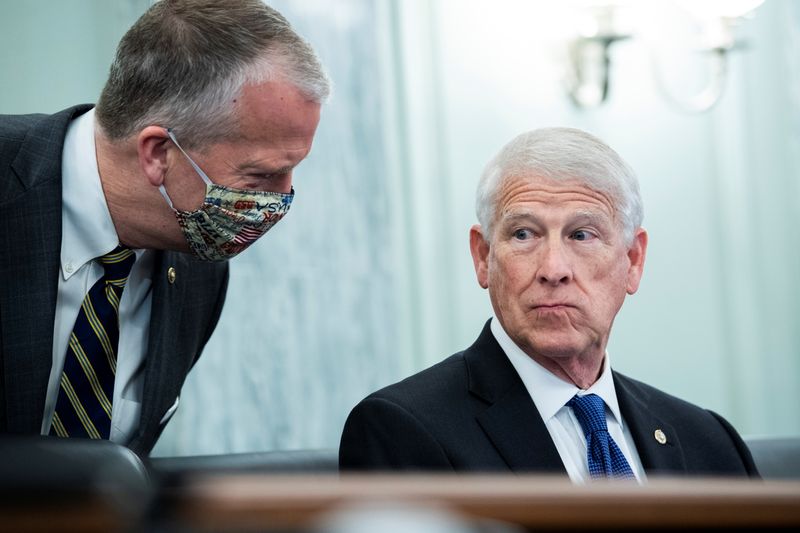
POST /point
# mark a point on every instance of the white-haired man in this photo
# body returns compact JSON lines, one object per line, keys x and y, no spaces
{"x":559,"y":246}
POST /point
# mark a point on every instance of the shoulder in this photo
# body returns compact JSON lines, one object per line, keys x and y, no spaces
{"x":447,"y":396}
{"x":709,"y":443}
{"x":16,"y":128}
{"x":657,"y":400}
{"x":434,"y":399}
{"x":30,"y":149}
{"x":423,"y":391}
{"x":404,"y":425}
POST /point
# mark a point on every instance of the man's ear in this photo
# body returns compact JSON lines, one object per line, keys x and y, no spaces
{"x":151,"y":144}
{"x":479,"y":247}
{"x":636,"y":255}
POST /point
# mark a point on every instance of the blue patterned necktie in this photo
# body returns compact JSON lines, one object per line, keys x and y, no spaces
{"x":604,"y":456}
{"x":83,"y":408}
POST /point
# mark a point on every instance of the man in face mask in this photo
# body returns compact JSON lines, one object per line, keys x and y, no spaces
{"x":117,"y":221}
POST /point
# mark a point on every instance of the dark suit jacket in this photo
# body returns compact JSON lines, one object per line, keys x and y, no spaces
{"x":183,"y":313}
{"x":472,"y":412}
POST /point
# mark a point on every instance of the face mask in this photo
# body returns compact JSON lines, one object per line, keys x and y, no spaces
{"x":230,"y":219}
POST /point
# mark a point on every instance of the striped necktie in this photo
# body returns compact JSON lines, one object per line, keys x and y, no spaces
{"x":604,"y":457}
{"x":83,"y":408}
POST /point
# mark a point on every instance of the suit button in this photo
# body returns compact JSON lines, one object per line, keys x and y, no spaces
{"x":171,"y":275}
{"x":660,"y":437}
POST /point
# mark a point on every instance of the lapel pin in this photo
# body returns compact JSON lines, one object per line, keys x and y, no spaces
{"x":171,"y":275}
{"x":660,"y":437}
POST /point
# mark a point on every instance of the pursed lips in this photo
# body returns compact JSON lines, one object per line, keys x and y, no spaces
{"x":553,"y":306}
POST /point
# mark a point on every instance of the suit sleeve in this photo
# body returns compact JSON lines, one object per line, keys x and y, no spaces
{"x":382,"y":435}
{"x":741,"y":447}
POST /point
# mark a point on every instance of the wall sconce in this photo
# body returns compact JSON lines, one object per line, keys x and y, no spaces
{"x":588,"y":76}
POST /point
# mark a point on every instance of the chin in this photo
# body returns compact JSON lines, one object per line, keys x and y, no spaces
{"x":557,"y":347}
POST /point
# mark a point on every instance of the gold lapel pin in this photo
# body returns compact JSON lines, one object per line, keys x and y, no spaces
{"x":171,"y":275}
{"x":660,"y":437}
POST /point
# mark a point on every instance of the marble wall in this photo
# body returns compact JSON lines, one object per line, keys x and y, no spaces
{"x":311,"y":318}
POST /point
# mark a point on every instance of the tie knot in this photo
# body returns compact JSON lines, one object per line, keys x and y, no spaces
{"x":117,"y":265}
{"x":590,"y":410}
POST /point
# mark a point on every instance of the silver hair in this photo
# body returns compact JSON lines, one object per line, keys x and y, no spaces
{"x":184,"y":62}
{"x":562,"y":154}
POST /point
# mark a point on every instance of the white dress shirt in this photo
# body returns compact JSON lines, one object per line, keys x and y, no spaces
{"x":87,"y":233}
{"x":550,"y":394}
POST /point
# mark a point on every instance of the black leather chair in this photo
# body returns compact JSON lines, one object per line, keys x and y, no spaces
{"x":64,"y":464}
{"x":776,"y":457}
{"x":55,"y":464}
{"x":319,"y":461}
{"x":44,"y":480}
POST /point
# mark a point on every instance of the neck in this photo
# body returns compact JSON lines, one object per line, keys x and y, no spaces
{"x":141,"y":217}
{"x":581,"y":370}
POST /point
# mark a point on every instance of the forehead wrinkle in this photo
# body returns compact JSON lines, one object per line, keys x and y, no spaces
{"x":514,"y":185}
{"x":525,"y":189}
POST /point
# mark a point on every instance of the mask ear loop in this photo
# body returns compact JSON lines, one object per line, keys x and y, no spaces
{"x":197,"y":169}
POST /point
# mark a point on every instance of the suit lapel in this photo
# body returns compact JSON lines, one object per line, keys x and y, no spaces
{"x":644,"y":423}
{"x":163,"y":366}
{"x":518,"y":433}
{"x":511,"y":422}
{"x":30,"y":221}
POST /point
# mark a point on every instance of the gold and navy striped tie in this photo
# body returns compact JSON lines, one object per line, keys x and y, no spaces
{"x":83,"y":408}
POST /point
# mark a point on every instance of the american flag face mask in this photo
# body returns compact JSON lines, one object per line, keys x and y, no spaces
{"x":230,"y":219}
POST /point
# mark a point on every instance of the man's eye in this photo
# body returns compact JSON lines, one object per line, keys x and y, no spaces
{"x":523,"y":234}
{"x":581,"y":235}
{"x":261,"y":176}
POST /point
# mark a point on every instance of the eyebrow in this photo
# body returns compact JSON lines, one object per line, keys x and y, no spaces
{"x":590,"y":216}
{"x":519,"y":217}
{"x":260,"y":168}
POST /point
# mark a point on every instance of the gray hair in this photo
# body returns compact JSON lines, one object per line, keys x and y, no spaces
{"x":562,"y":154}
{"x":183,"y":63}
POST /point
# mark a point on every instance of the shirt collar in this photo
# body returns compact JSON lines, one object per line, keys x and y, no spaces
{"x":87,"y":229}
{"x":549,"y":392}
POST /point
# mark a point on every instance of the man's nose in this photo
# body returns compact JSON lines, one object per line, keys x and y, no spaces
{"x":281,"y":183}
{"x":554,"y":264}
